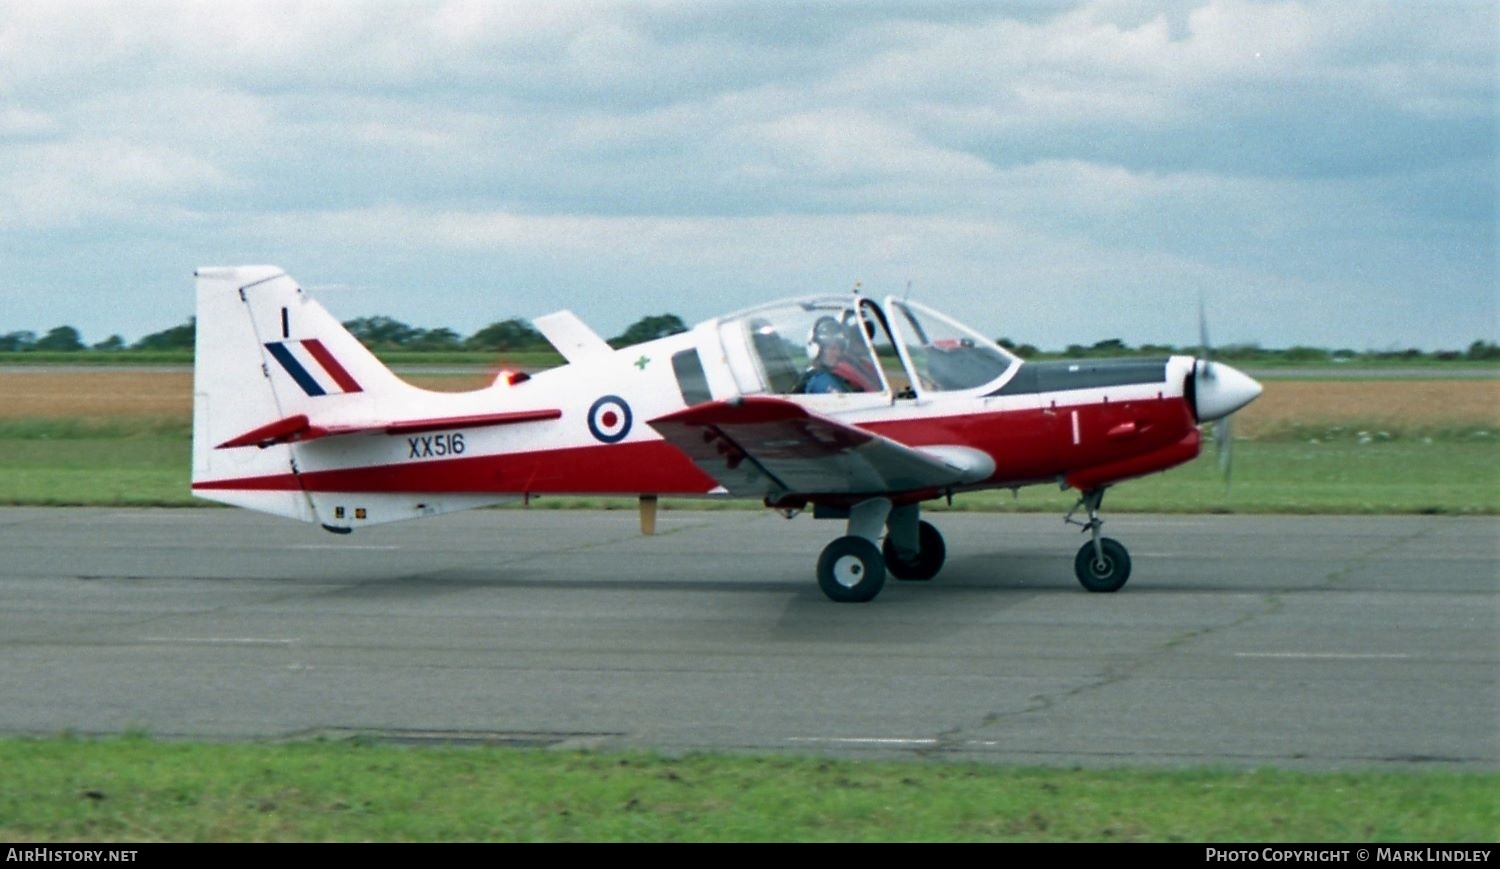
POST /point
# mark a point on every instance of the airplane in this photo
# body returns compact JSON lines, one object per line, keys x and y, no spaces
{"x":860,"y":410}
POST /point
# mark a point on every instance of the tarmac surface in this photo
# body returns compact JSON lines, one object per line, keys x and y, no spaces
{"x":1318,"y":642}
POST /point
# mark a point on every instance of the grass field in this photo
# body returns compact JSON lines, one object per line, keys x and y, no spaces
{"x":135,"y":789}
{"x":1355,"y":446}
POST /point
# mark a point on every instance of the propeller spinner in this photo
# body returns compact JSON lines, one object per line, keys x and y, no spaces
{"x":1217,"y":390}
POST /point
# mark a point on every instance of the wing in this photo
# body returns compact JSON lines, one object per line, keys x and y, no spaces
{"x":300,"y":428}
{"x":769,"y":448}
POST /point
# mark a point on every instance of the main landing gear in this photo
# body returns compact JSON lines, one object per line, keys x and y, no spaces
{"x":1102,"y":564}
{"x":852,"y":569}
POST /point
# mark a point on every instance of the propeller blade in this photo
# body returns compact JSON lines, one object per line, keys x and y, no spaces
{"x":1216,"y":398}
{"x":1224,"y":443}
{"x":1205,"y":350}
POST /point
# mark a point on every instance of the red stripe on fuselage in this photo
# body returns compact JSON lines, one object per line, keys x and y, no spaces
{"x":345,"y":381}
{"x":1037,"y":444}
{"x":629,"y":468}
{"x":1028,"y":446}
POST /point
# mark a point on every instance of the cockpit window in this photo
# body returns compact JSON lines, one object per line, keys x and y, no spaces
{"x":849,"y":345}
{"x":946,"y":356}
{"x":819,"y":346}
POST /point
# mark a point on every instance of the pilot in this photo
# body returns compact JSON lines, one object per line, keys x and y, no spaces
{"x":833,"y":369}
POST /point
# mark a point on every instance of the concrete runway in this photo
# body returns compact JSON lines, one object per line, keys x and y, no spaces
{"x":1292,"y":641}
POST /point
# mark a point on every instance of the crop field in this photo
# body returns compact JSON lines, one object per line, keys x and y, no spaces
{"x":136,"y":394}
{"x":1306,"y":446}
{"x":1293,"y":408}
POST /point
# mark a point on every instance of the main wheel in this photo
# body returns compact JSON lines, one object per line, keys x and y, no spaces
{"x":931,"y":551}
{"x":850,"y":570}
{"x":1107,"y":575}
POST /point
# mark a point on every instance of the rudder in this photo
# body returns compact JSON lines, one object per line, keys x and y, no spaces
{"x":265,"y":352}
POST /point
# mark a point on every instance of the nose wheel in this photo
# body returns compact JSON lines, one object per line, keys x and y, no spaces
{"x":1103,"y":570}
{"x":1102,"y":564}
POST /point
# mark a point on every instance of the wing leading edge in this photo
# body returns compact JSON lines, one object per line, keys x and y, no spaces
{"x":770,"y":448}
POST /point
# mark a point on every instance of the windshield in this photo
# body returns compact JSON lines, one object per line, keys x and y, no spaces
{"x":945,"y":355}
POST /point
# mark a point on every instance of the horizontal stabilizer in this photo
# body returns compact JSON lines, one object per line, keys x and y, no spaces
{"x":300,"y":428}
{"x":571,"y":336}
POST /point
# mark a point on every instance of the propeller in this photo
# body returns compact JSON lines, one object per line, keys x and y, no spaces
{"x":1223,"y":434}
{"x":1215,"y":392}
{"x":1224,"y":444}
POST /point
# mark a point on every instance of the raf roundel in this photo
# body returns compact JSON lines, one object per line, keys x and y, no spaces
{"x":609,"y":419}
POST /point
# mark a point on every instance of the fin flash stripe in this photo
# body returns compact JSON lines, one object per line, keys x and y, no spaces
{"x":331,"y":365}
{"x":306,"y":379}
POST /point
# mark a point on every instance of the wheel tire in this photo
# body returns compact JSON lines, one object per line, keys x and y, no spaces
{"x":850,"y":570}
{"x":1108,"y":576}
{"x":931,"y":552}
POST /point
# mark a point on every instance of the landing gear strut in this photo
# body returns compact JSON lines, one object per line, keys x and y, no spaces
{"x":1102,"y":564}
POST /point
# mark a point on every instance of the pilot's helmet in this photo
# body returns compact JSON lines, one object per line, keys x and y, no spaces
{"x":826,"y":333}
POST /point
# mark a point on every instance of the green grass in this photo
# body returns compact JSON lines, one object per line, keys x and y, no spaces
{"x":480,"y":359}
{"x":135,"y":789}
{"x":1437,"y":477}
{"x":1399,"y":476}
{"x":144,"y":462}
{"x":101,"y":358}
{"x":86,"y":461}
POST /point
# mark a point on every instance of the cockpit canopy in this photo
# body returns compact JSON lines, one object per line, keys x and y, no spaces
{"x":852,"y":345}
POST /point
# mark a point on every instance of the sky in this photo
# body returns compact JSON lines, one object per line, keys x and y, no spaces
{"x":1319,"y":173}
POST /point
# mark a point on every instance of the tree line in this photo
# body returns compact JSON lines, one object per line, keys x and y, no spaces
{"x":386,"y":333}
{"x":377,"y":333}
{"x":1479,"y":351}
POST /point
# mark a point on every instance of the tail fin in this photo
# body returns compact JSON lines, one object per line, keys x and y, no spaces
{"x":266,"y":352}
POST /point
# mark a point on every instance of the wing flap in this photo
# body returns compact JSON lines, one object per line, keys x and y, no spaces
{"x":769,"y":448}
{"x":300,"y":428}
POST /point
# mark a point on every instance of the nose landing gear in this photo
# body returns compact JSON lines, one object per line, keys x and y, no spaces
{"x":1102,"y":564}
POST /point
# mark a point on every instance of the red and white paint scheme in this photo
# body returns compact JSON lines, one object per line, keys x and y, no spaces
{"x":294,"y":417}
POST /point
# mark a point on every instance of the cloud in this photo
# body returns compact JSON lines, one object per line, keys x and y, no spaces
{"x":63,"y":184}
{"x":16,"y":123}
{"x":840,"y":146}
{"x":1002,"y":276}
{"x":1073,"y":151}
